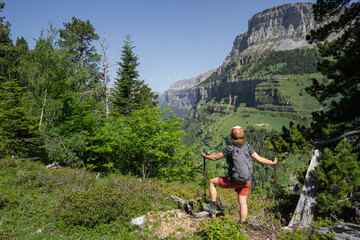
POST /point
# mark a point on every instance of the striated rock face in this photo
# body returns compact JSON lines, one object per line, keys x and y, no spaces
{"x":289,"y":21}
{"x":242,"y":90}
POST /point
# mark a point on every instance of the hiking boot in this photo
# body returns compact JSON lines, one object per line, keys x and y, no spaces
{"x":210,"y":208}
{"x":242,"y":226}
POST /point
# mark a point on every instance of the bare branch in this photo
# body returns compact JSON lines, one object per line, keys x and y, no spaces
{"x":106,"y":65}
{"x":348,"y":134}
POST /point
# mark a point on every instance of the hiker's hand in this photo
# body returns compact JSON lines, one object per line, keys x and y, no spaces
{"x":204,"y":153}
{"x":274,"y":161}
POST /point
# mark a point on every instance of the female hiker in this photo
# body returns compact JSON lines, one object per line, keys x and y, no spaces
{"x":239,"y":172}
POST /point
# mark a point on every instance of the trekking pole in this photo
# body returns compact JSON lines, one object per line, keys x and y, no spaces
{"x":204,"y":174}
{"x":276,"y":194}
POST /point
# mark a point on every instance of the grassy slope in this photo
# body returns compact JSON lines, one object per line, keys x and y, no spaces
{"x":65,"y":203}
{"x":39,"y":203}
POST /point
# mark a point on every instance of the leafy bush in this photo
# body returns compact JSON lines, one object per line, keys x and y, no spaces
{"x":98,"y":205}
{"x":144,"y":143}
{"x":222,"y":228}
{"x":117,"y":198}
{"x":6,"y":200}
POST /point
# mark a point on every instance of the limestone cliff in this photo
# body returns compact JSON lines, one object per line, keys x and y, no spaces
{"x":289,"y":21}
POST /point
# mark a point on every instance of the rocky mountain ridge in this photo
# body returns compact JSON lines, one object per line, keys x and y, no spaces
{"x":289,"y":21}
{"x":180,"y":94}
{"x":280,"y":28}
{"x":188,"y":83}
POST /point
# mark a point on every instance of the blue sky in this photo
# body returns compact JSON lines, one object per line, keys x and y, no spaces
{"x":174,"y":39}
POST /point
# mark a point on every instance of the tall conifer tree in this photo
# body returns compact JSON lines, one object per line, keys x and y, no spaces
{"x":77,"y":37}
{"x":130,"y":93}
{"x":17,"y":132}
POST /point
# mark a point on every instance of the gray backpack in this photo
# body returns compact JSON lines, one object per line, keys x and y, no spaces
{"x":240,"y":168}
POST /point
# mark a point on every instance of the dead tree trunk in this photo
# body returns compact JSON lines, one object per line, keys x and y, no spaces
{"x":304,"y":212}
{"x":42,"y":108}
{"x":105,"y":68}
{"x":106,"y":65}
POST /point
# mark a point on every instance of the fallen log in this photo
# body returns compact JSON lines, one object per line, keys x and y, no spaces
{"x":53,"y":165}
{"x":188,"y":205}
{"x":343,"y":231}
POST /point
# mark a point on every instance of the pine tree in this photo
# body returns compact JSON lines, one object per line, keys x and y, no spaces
{"x":17,"y":132}
{"x":5,"y":42}
{"x":130,"y":93}
{"x":77,"y":37}
{"x":146,"y":97}
{"x":341,"y":61}
{"x":338,"y":174}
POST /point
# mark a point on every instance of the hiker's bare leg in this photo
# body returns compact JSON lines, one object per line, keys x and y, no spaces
{"x":243,"y":207}
{"x":213,"y":193}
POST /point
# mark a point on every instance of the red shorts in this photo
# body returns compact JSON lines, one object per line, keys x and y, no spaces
{"x":241,"y":189}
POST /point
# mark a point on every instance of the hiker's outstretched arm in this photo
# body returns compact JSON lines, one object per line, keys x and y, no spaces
{"x":213,"y":157}
{"x":263,"y":160}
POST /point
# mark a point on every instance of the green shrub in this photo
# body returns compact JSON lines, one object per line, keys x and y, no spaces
{"x":101,"y":205}
{"x":7,"y":234}
{"x":89,"y":208}
{"x":222,"y":228}
{"x":338,"y":178}
{"x":8,"y":201}
{"x":117,"y":199}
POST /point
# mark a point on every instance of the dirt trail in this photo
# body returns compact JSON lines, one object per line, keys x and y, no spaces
{"x":176,"y":223}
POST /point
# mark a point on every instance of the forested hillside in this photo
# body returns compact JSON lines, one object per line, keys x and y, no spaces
{"x":56,"y":107}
